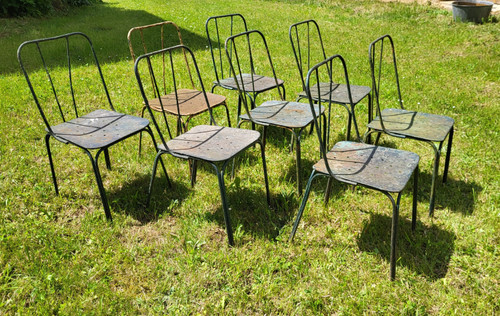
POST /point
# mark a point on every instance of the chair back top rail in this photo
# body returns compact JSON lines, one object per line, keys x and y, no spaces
{"x":148,"y":59}
{"x":66,"y":38}
{"x":236,"y":21}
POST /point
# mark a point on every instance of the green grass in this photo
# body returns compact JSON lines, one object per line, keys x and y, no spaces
{"x":59,"y":255}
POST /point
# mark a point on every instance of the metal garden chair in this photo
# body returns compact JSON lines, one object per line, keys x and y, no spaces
{"x":402,"y":123}
{"x":161,"y":35}
{"x":383,"y":169}
{"x":218,"y":29}
{"x":293,"y":116}
{"x":62,"y":96}
{"x":213,"y":144}
{"x":308,"y":49}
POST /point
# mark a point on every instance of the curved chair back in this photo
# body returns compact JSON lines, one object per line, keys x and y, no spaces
{"x":321,"y":72}
{"x":246,"y":52}
{"x":153,"y":37}
{"x":62,"y":95}
{"x":218,"y":29}
{"x":383,"y":66}
{"x":307,"y":46}
{"x":148,"y":63}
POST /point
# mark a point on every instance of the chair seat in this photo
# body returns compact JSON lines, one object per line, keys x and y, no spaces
{"x":413,"y":124}
{"x":260,"y":83}
{"x":283,"y":114}
{"x":338,"y":93}
{"x":381,"y":168}
{"x":98,"y":129}
{"x":191,"y":102}
{"x":211,"y":143}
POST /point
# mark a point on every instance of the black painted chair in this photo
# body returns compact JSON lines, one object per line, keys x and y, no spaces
{"x":212,"y":144}
{"x":355,"y":163}
{"x":64,"y":95}
{"x":292,"y":116}
{"x":308,"y":49}
{"x":218,"y":29}
{"x":402,"y":123}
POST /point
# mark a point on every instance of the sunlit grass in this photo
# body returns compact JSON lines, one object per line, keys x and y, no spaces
{"x":59,"y":255}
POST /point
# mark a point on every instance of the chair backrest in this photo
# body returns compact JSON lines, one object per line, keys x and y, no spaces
{"x":321,"y":96}
{"x":61,"y":78}
{"x":383,"y":66}
{"x":243,"y":51}
{"x":218,"y":29}
{"x":176,"y":56}
{"x":307,"y":46}
{"x":152,"y":37}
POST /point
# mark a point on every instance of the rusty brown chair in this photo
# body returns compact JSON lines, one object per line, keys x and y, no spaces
{"x":159,"y":36}
{"x":402,"y":123}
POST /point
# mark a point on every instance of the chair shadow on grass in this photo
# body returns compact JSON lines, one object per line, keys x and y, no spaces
{"x":131,"y":198}
{"x":427,"y":250}
{"x":248,"y":208}
{"x":457,"y":195}
{"x":108,"y":31}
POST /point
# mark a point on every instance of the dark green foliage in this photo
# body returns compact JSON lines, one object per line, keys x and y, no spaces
{"x":14,"y":8}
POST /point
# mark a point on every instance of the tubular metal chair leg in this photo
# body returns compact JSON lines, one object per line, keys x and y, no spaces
{"x":415,"y":192}
{"x":302,"y":205}
{"x":266,"y":181}
{"x":328,"y":190}
{"x":434,"y":180}
{"x":140,"y":134}
{"x":99,"y":183}
{"x":448,"y":154}
{"x":298,"y":161}
{"x":349,"y":122}
{"x":153,"y":174}
{"x":394,"y":232}
{"x":370,"y":117}
{"x":106,"y":158}
{"x":227,"y":114}
{"x":54,"y":180}
{"x":222,"y":188}
{"x":194,"y":170}
{"x":150,"y":132}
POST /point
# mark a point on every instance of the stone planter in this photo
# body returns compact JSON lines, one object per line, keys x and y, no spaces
{"x":471,"y":10}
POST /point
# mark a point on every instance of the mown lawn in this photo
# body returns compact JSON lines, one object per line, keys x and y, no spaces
{"x":59,"y":255}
